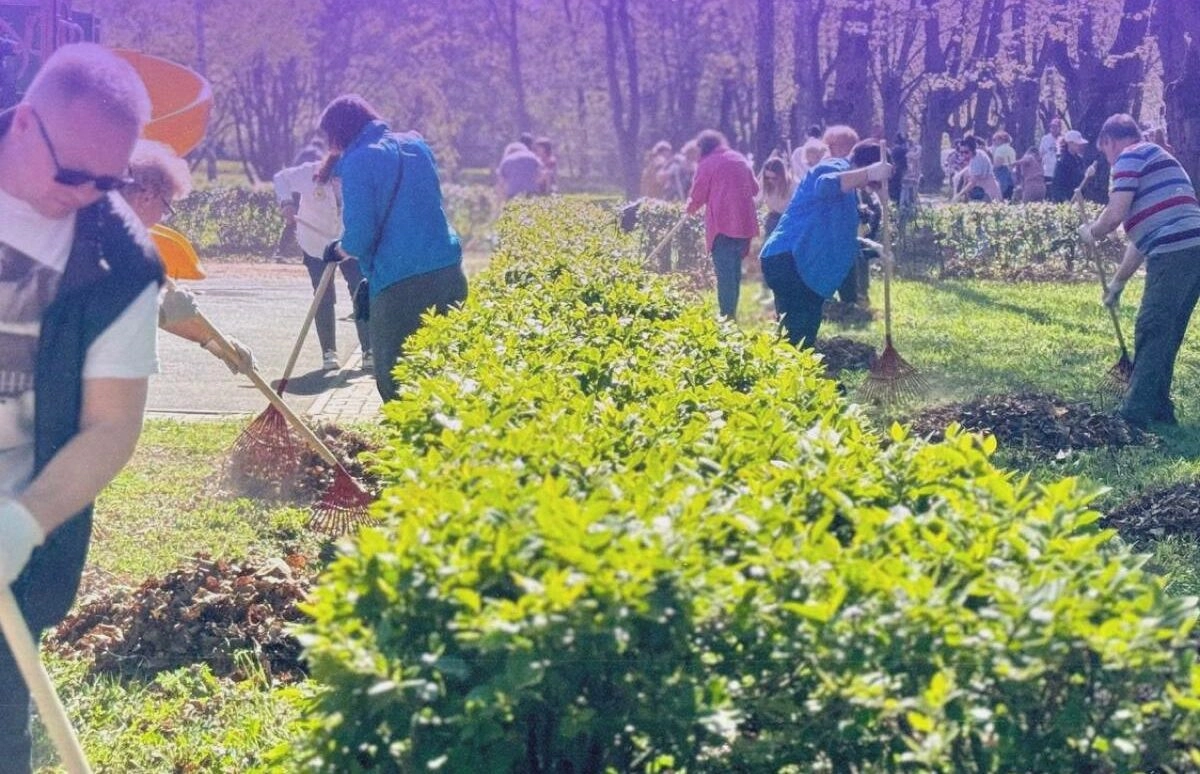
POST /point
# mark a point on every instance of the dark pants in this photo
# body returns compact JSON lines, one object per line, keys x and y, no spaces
{"x":16,"y":744}
{"x":857,"y":283}
{"x":770,"y":223}
{"x":45,"y":590}
{"x":1172,"y":289}
{"x":798,"y":305}
{"x":326,"y":325}
{"x":396,"y":314}
{"x":727,"y":255}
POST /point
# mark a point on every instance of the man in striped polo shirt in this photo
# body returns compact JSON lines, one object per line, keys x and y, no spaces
{"x":1153,"y":197}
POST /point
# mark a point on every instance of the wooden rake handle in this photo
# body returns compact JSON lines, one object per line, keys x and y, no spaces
{"x":309,"y":436}
{"x":1094,"y":254}
{"x":318,"y":294}
{"x":667,"y":239}
{"x":50,"y":709}
{"x":885,"y":227}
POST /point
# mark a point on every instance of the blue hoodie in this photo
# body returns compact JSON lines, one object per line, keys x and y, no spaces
{"x":417,"y":238}
{"x":819,"y":228}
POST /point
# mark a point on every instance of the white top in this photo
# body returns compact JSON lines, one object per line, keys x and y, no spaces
{"x":33,"y":255}
{"x":1048,"y":150}
{"x":319,"y":217}
{"x":1003,"y":155}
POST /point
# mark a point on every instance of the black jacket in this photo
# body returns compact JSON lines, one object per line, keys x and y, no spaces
{"x":111,"y":262}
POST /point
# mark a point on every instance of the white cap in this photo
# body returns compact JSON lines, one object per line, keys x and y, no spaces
{"x":1075,"y":136}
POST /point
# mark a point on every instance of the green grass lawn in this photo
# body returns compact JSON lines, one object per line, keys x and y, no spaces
{"x":967,"y":337}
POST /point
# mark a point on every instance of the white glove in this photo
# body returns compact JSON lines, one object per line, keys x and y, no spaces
{"x":1112,"y":295}
{"x":243,"y":363}
{"x":176,"y":306}
{"x":879,"y":172}
{"x":1086,"y":236}
{"x":19,"y":535}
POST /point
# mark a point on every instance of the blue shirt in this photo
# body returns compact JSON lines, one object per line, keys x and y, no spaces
{"x":819,"y":228}
{"x":417,"y":238}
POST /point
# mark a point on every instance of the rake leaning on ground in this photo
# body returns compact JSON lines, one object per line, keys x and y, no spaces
{"x":890,"y":379}
{"x":344,"y":504}
{"x":269,"y":440}
{"x":1115,"y":382}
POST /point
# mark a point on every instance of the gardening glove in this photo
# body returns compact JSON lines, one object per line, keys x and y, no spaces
{"x":879,"y":172}
{"x":19,"y":535}
{"x":1112,"y":295}
{"x":243,"y":363}
{"x":177,"y":305}
{"x":1086,"y":236}
{"x":333,"y":252}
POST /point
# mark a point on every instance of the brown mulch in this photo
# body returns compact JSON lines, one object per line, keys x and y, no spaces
{"x":203,"y":612}
{"x":1042,"y":424}
{"x":843,"y":354}
{"x":295,"y":473}
{"x":1155,"y":515}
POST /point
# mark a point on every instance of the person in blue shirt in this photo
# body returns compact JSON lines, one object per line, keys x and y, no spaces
{"x":813,"y":248}
{"x":394,"y":223}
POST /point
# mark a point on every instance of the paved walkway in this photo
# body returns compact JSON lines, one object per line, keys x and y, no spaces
{"x":263,"y":305}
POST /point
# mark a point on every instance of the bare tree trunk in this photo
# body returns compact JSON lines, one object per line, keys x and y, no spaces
{"x":1183,"y":113}
{"x":767,"y":131}
{"x":619,"y":39}
{"x":853,"y":100}
{"x":1021,"y":121}
{"x":806,"y":67}
{"x":507,"y":23}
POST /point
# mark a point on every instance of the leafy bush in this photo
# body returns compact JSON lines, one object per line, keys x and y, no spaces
{"x":1023,"y":241}
{"x":621,"y":536}
{"x":227,"y":221}
{"x":239,"y":220}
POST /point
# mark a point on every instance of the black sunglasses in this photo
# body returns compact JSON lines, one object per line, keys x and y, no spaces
{"x":77,"y":177}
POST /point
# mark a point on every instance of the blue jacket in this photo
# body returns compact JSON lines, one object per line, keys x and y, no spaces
{"x":819,"y":228}
{"x":417,"y":238}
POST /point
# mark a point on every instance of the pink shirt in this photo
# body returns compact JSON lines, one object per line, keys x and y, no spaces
{"x":726,"y":187}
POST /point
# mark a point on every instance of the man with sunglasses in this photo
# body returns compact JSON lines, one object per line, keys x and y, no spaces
{"x":78,"y":310}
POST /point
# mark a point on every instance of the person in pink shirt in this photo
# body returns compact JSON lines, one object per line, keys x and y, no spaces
{"x":726,"y":187}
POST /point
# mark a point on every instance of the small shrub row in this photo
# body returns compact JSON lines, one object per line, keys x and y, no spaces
{"x":1008,"y":242}
{"x":237,"y":220}
{"x":619,"y":536}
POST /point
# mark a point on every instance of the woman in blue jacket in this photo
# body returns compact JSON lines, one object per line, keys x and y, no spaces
{"x":395,"y":225}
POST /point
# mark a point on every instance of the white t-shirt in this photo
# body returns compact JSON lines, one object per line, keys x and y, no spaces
{"x":1048,"y":150}
{"x":319,"y":217}
{"x":33,"y":255}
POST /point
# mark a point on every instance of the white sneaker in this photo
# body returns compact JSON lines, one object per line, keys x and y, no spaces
{"x":331,"y":360}
{"x":368,"y":361}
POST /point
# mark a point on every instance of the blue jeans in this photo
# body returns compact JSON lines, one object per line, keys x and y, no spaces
{"x":798,"y":305}
{"x":727,"y":255}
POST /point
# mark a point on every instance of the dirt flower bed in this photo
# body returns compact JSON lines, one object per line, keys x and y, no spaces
{"x":843,"y":354}
{"x":204,"y":612}
{"x":292,"y":472}
{"x":1042,"y":424}
{"x":1174,"y":511}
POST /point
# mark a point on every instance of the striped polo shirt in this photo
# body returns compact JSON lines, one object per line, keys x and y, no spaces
{"x":1165,"y":216}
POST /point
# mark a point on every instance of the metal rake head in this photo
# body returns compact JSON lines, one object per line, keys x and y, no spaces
{"x":892,"y":379}
{"x":1115,"y":382}
{"x":344,"y":506}
{"x":268,"y":450}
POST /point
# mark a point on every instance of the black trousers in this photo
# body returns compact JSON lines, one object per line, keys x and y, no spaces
{"x":326,"y":325}
{"x":798,"y":305}
{"x":396,"y":314}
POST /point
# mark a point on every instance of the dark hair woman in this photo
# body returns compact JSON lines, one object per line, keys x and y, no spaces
{"x":394,"y":223}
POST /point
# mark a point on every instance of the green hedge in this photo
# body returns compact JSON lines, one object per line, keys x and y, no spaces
{"x":620,"y":536}
{"x":1008,"y":242}
{"x":224,"y":221}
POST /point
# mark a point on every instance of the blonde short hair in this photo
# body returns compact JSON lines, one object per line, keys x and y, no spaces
{"x":841,"y":139}
{"x":87,"y":71}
